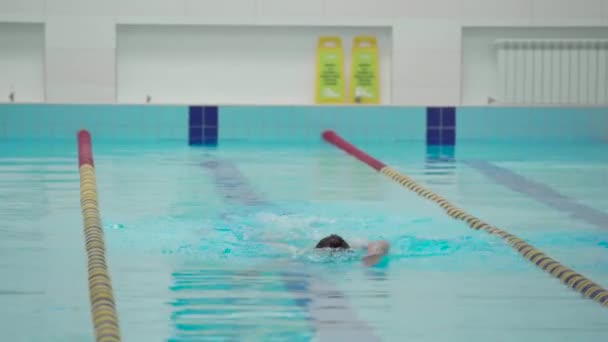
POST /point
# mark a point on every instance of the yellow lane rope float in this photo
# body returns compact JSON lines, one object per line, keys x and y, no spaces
{"x":103,"y":307}
{"x":567,"y":276}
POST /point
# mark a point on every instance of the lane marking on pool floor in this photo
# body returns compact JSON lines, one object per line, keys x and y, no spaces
{"x":567,"y":276}
{"x":325,"y":304}
{"x":540,"y":192}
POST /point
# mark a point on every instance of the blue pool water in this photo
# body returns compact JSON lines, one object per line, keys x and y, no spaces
{"x":188,"y":232}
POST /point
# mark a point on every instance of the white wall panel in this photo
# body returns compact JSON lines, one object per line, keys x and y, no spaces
{"x":150,"y":8}
{"x":91,"y":33}
{"x":289,"y":8}
{"x":22,"y":7}
{"x":416,"y":9}
{"x":427,"y":34}
{"x":496,"y":12}
{"x":22,"y":62}
{"x":425,"y":96}
{"x":427,"y":54}
{"x":237,"y":11}
{"x":566,"y":12}
{"x":428,"y":68}
{"x":72,"y":79}
{"x":360,"y":8}
{"x":80,"y":64}
{"x":222,"y":64}
{"x":81,"y":7}
{"x":419,"y":26}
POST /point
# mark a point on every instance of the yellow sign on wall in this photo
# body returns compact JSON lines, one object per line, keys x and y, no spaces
{"x":330,"y":71}
{"x":365,"y":78}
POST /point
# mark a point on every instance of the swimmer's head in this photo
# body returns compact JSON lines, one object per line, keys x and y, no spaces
{"x":333,"y":241}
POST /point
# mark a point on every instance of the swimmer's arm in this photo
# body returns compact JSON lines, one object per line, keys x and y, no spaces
{"x":375,"y":251}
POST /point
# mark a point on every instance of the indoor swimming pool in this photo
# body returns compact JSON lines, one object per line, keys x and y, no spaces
{"x":178,"y":170}
{"x":216,"y":243}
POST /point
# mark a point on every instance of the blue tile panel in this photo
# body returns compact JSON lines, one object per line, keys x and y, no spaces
{"x":441,"y":126}
{"x":203,"y":125}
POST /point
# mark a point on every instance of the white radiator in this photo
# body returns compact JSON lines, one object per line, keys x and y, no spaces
{"x":553,"y":71}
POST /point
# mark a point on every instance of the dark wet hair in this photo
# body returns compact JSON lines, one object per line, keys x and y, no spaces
{"x":333,"y":241}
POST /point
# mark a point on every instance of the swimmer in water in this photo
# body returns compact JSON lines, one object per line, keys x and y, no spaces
{"x":375,"y":249}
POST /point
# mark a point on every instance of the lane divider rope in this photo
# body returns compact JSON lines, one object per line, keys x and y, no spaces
{"x":103,"y":307}
{"x":567,"y":276}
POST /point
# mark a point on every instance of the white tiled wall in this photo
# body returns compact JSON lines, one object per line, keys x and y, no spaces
{"x":426,"y":45}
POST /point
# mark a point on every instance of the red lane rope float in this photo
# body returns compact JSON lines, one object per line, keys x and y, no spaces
{"x":103,"y":307}
{"x":85,"y":149}
{"x":567,"y":276}
{"x":335,"y":139}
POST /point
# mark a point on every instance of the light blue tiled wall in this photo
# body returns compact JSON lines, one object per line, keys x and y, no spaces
{"x":297,"y":123}
{"x":307,"y":123}
{"x":521,"y":123}
{"x":103,"y":121}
